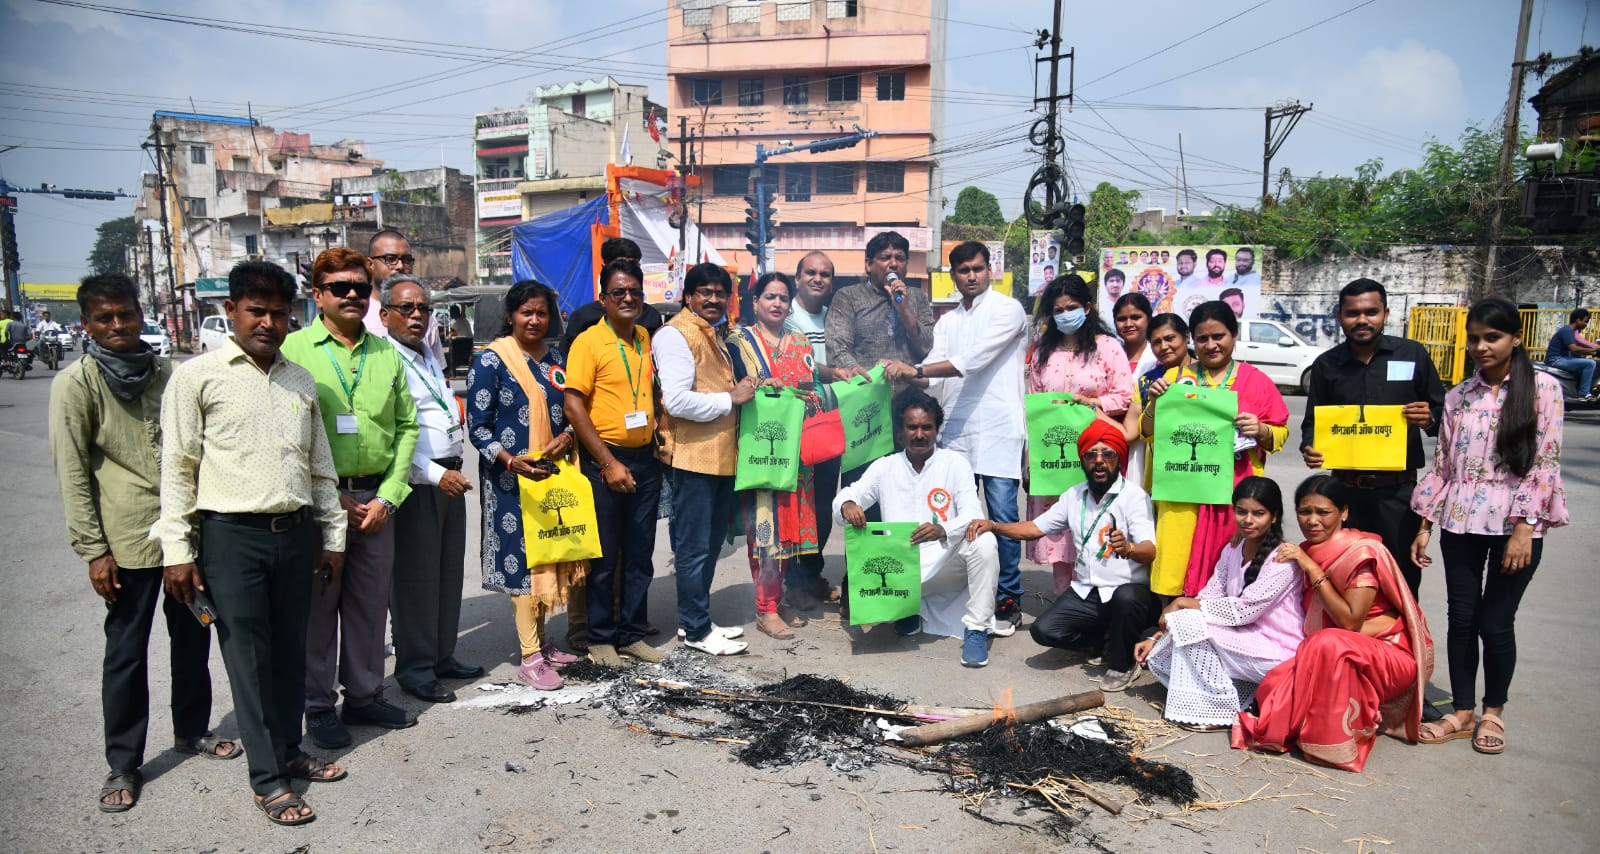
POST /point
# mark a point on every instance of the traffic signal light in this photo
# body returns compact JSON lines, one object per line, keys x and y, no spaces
{"x":760,"y":221}
{"x":1072,"y":230}
{"x":833,"y":145}
{"x":8,"y":234}
{"x":99,"y":195}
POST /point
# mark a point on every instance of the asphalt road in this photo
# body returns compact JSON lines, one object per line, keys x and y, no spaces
{"x":590,"y":784}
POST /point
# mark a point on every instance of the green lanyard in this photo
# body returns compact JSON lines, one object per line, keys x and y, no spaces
{"x":621,"y":351}
{"x":1083,"y":513}
{"x":1202,"y":377}
{"x":349,"y":387}
{"x":428,"y":384}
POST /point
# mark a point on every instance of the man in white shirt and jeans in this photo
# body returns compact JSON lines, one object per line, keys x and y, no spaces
{"x":935,"y":487}
{"x":975,"y":365}
{"x":430,"y":535}
{"x":1111,"y":523}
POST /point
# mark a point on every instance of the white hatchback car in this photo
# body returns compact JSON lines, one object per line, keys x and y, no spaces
{"x":156,"y":337}
{"x":214,"y":332}
{"x":1278,"y":351}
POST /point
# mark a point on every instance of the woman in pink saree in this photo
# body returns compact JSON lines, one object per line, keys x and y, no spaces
{"x":1367,"y":652}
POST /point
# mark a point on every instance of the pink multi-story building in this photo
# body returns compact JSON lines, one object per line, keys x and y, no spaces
{"x":795,"y":71}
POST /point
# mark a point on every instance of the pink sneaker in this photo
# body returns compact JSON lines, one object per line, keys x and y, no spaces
{"x":537,"y":672}
{"x":556,"y":655}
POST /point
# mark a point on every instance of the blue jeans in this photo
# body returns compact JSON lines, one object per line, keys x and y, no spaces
{"x":1000,"y":497}
{"x":1584,"y":368}
{"x":702,"y":504}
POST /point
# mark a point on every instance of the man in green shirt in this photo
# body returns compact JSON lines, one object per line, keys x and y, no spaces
{"x":105,"y":437}
{"x":371,"y":424}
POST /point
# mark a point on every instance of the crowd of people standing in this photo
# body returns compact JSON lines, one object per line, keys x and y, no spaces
{"x":304,"y":490}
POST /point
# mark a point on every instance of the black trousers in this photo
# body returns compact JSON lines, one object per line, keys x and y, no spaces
{"x":1482,"y":608}
{"x":619,"y":580}
{"x":125,"y":672}
{"x":804,"y":572}
{"x":261,"y":584}
{"x":430,"y":548}
{"x":1083,"y":624}
{"x":1386,"y":511}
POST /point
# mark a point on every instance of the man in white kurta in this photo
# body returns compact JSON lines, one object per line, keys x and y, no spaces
{"x":975,"y":367}
{"x":933,"y":487}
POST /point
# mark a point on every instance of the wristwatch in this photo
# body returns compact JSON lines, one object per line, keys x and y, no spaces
{"x":919,"y":373}
{"x":388,"y":505}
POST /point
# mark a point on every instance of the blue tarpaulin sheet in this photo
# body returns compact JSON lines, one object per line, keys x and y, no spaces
{"x":555,"y":249}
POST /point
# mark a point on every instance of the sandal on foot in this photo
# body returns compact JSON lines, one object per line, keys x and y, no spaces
{"x":1478,"y":734}
{"x":308,"y":767}
{"x":773,"y":627}
{"x":206,"y":745}
{"x":279,"y":801}
{"x":791,"y":617}
{"x":1447,"y":728}
{"x":117,"y":782}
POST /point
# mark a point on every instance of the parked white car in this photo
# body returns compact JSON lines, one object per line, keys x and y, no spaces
{"x":156,"y":337}
{"x":1278,"y":351}
{"x":214,"y":332}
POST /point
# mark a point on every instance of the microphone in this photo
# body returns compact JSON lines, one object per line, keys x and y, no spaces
{"x":891,"y":279}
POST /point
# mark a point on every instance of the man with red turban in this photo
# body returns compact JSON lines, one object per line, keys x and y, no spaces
{"x":1109,"y":605}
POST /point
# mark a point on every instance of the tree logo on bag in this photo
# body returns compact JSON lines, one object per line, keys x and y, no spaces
{"x":557,"y":500}
{"x":883,"y":566}
{"x":1194,"y":435}
{"x":863,"y":420}
{"x":774,"y":432}
{"x":1062,"y":437}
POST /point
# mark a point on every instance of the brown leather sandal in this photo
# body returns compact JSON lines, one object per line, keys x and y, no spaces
{"x":279,"y":801}
{"x":1447,"y":728}
{"x":1478,"y":735}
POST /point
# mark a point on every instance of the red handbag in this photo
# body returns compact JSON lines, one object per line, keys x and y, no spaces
{"x":821,"y":438}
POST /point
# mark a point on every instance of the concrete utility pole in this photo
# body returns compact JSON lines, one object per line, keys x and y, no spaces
{"x":1508,"y":150}
{"x":1280,"y":123}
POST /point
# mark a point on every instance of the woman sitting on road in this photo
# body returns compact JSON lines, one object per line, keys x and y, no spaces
{"x":1367,"y":652}
{"x":1213,"y":649}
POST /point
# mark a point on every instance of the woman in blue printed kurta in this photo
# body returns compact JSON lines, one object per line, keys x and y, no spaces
{"x":499,"y":416}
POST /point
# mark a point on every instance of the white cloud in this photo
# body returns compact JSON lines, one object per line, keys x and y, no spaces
{"x":1408,"y":86}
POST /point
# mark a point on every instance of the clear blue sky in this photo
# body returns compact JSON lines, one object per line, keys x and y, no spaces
{"x":1384,"y":77}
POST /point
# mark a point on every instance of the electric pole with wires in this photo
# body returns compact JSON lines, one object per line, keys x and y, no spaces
{"x":1047,"y":201}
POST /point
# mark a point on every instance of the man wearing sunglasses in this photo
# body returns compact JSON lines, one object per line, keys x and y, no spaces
{"x":390,"y":253}
{"x":371,"y":424}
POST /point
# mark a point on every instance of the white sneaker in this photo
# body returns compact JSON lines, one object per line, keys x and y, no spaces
{"x":729,"y":632}
{"x":716,"y":644}
{"x":1003,"y":629}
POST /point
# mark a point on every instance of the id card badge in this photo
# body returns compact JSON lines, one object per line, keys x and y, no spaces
{"x":636,"y":419}
{"x":1402,"y":371}
{"x":345,"y":424}
{"x":453,"y":431}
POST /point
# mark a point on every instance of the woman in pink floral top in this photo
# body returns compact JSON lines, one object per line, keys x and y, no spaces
{"x":1494,"y":489}
{"x":1073,"y":354}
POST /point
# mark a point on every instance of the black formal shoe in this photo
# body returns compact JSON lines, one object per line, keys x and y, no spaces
{"x":431,"y":692}
{"x":457,"y":670}
{"x":378,"y":713}
{"x":326,"y":731}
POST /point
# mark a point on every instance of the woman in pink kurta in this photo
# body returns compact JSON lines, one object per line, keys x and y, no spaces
{"x":1073,"y":354}
{"x":1213,"y":649}
{"x":1495,"y":489}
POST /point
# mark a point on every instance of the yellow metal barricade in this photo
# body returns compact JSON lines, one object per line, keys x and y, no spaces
{"x":1441,"y":330}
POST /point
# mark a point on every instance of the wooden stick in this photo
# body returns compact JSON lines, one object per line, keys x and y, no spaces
{"x":1094,"y":794}
{"x":945,"y":730}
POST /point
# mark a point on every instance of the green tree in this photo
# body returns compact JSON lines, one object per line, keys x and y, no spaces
{"x":1060,"y":435}
{"x":978,"y":207}
{"x":883,"y":566}
{"x":556,"y":500}
{"x":865,"y":415}
{"x":773,"y":432}
{"x":112,"y":239}
{"x":1110,"y":218}
{"x":1194,"y":435}
{"x":1017,"y":259}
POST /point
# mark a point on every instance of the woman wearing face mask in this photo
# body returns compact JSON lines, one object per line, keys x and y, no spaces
{"x":1169,"y":347}
{"x":1367,"y":652}
{"x":1495,"y":490}
{"x":1191,"y":536}
{"x":1073,"y":355}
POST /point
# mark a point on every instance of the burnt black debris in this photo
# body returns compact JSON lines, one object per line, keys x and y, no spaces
{"x":1028,"y":753}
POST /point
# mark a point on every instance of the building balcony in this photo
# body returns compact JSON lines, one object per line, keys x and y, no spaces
{"x":504,"y":124}
{"x":236,"y":203}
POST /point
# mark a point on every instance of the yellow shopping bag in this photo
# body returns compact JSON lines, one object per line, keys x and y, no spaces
{"x":1370,"y":438}
{"x":558,"y":521}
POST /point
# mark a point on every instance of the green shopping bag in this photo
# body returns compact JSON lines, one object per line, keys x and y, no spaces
{"x":558,"y":517}
{"x":883,"y":572}
{"x":1054,"y":422}
{"x":868,"y":423}
{"x":769,"y":441}
{"x":1193,"y":445}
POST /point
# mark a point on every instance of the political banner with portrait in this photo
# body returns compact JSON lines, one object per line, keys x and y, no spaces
{"x":1178,"y":278}
{"x":1045,"y":261}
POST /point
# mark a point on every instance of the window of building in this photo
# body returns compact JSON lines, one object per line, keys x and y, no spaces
{"x":241,"y":164}
{"x":794,"y":11}
{"x":842,"y":8}
{"x":886,"y":177}
{"x":697,"y":17}
{"x":795,"y":89}
{"x":844,"y":87}
{"x":892,"y":87}
{"x":197,"y":154}
{"x":707,"y":92}
{"x":580,"y":105}
{"x":836,"y":179}
{"x":194,"y":206}
{"x":251,"y":244}
{"x":752,"y":91}
{"x":797,"y":183}
{"x":730,"y":181}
